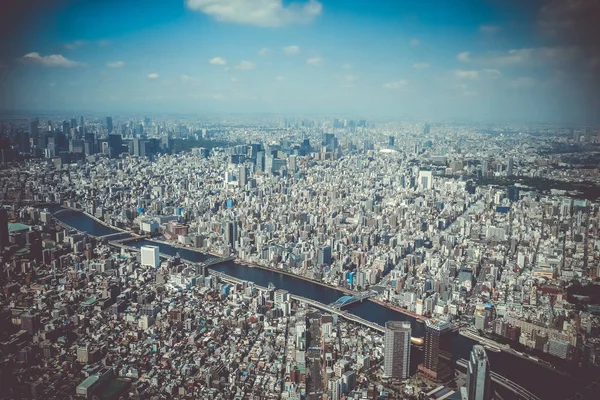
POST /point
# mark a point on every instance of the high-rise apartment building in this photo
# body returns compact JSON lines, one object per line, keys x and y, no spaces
{"x":396,"y":363}
{"x":478,"y":375}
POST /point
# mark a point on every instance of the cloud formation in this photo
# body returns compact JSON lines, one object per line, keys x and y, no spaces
{"x":217,"y":61}
{"x":152,"y":76}
{"x":464,"y":56}
{"x":115,"y":64}
{"x":477,"y":74}
{"x":289,"y":50}
{"x":315,"y":61}
{"x":539,"y":56}
{"x":489,"y":28}
{"x":264,"y":52}
{"x":264,"y":13}
{"x":421,"y":65}
{"x":415,"y":42}
{"x":189,"y":80}
{"x":53,"y":60}
{"x":74,"y":45}
{"x":395,"y":84}
{"x":245,"y":66}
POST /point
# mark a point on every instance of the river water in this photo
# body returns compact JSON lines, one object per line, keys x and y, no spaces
{"x":541,"y":381}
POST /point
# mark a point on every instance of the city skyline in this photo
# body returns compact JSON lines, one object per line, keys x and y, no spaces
{"x":480,"y":60}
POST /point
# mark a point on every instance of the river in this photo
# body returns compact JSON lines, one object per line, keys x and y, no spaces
{"x":541,"y":381}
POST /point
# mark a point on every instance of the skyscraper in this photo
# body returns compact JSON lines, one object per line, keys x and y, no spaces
{"x":3,"y":229}
{"x":109,"y":124}
{"x":509,"y":168}
{"x":396,"y":363}
{"x":242,"y":177}
{"x":436,"y":363}
{"x":324,"y":255}
{"x":478,"y":375}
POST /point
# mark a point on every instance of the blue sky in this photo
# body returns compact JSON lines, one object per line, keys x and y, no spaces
{"x":485,"y":60}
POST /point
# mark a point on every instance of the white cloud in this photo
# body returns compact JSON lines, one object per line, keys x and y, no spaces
{"x":489,"y":28}
{"x":53,"y":60}
{"x":189,"y":80}
{"x":395,"y":84}
{"x":115,"y":64}
{"x":421,"y":65}
{"x":477,"y":74}
{"x":348,"y":81}
{"x":245,"y":66}
{"x":465,"y":56}
{"x":152,"y":76}
{"x":264,"y":51}
{"x":234,"y":79}
{"x":265,"y":13}
{"x":217,"y":61}
{"x":315,"y":61}
{"x":538,"y":56}
{"x":74,"y":45}
{"x":291,"y":49}
{"x":415,"y":42}
{"x":279,"y":78}
{"x":523,"y":82}
{"x":347,"y":66}
{"x":462,"y":74}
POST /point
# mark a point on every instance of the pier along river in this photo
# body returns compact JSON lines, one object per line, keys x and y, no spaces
{"x":541,"y":381}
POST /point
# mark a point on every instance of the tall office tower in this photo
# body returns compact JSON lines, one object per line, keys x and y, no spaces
{"x":81,"y":120}
{"x":34,"y":127}
{"x":510,"y":166}
{"x":478,"y":375}
{"x":242,"y":177}
{"x":391,"y":141}
{"x":115,"y":145}
{"x":151,"y":256}
{"x":260,"y":161}
{"x":23,"y":142}
{"x":396,"y":362}
{"x":292,"y":164}
{"x":436,"y":363}
{"x":109,"y":124}
{"x":485,"y":166}
{"x":73,"y":123}
{"x":426,"y":129}
{"x":3,"y":229}
{"x":324,"y":255}
{"x":230,"y":233}
{"x":425,"y":180}
{"x":65,"y":128}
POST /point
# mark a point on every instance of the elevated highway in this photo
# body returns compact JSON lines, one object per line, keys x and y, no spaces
{"x":520,"y":391}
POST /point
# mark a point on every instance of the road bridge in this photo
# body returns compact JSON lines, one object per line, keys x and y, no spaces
{"x":348,"y":300}
{"x":504,"y":382}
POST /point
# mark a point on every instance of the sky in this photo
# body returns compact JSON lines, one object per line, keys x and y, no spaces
{"x":483,"y":60}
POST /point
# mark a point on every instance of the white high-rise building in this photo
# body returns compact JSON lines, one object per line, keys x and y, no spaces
{"x":396,"y":362}
{"x":425,"y":180}
{"x":151,"y":256}
{"x":478,"y":375}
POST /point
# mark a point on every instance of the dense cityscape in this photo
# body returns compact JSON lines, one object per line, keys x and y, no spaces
{"x":300,"y":200}
{"x":126,"y":240}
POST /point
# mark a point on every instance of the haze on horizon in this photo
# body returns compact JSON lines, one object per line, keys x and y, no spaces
{"x":535,"y":60}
